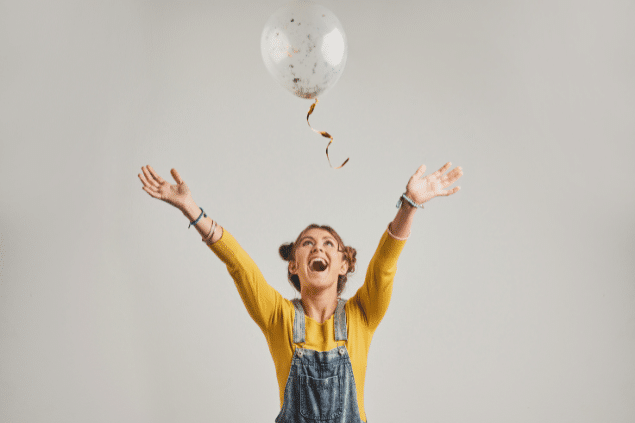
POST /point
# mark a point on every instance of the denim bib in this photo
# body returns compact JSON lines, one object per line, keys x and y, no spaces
{"x":321,"y":386}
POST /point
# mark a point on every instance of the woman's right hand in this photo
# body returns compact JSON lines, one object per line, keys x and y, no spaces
{"x":178,"y":195}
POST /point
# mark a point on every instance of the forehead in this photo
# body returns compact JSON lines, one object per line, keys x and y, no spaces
{"x":316,"y":233}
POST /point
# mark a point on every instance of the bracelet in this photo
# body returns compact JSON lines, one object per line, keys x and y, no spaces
{"x":199,"y":217}
{"x":404,"y":196}
{"x":211,"y":233}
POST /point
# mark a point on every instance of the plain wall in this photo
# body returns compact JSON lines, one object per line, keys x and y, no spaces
{"x":514,"y":300}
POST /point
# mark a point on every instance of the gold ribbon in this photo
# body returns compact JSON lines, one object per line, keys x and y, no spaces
{"x":324,"y":134}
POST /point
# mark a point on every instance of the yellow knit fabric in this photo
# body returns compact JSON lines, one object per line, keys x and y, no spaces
{"x":275,"y":314}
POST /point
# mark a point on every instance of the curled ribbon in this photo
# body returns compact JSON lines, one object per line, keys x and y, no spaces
{"x":324,"y":134}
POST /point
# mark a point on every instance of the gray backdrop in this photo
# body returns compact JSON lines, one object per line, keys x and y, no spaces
{"x":514,"y":299}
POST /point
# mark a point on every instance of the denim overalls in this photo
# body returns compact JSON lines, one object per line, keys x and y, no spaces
{"x":321,"y":386}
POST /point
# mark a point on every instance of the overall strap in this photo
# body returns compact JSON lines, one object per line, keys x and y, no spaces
{"x":299,"y":328}
{"x":340,"y":321}
{"x":298,"y":322}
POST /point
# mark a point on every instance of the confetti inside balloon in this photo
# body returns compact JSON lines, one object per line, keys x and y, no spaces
{"x":304,"y":48}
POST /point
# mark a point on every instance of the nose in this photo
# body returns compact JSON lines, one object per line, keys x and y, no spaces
{"x":317,"y":248}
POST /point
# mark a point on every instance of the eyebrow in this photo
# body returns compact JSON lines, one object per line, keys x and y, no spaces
{"x":326,"y":237}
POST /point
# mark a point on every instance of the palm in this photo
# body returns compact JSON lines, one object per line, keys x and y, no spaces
{"x":168,"y":192}
{"x":176,"y":194}
{"x":421,"y":189}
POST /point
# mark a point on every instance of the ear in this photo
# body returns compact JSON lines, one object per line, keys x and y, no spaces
{"x":344,"y":268}
{"x":293,"y":267}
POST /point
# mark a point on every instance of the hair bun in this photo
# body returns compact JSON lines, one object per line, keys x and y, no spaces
{"x":285,"y":251}
{"x":351,"y":254}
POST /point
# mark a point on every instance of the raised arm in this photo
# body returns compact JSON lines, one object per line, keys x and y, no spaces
{"x":420,"y":190}
{"x":374,"y":296}
{"x":179,"y":196}
{"x":262,"y":301}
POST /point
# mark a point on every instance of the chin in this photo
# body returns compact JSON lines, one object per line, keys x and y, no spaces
{"x":320,"y":284}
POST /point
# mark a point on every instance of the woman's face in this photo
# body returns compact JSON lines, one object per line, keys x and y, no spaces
{"x":318,"y":262}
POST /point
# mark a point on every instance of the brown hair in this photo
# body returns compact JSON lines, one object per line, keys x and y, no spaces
{"x":287,"y":252}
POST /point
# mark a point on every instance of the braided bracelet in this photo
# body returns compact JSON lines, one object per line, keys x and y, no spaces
{"x":203,"y":214}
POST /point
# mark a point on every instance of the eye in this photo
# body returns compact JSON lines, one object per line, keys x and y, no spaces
{"x":328,"y":243}
{"x":305,"y":243}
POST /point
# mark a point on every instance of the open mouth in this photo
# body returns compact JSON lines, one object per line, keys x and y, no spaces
{"x":318,"y":265}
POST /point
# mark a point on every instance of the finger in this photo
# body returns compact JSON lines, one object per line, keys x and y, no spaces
{"x":176,"y":176}
{"x":153,"y":194}
{"x":453,"y":175}
{"x":150,"y":189}
{"x":156,"y":175}
{"x":419,"y":173}
{"x":441,"y":171}
{"x":144,"y":180}
{"x":450,"y":192}
{"x":151,"y":180}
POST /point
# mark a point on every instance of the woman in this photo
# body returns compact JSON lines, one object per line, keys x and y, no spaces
{"x":319,"y":343}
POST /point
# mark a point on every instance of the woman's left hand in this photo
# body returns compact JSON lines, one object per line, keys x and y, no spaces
{"x":421,"y":189}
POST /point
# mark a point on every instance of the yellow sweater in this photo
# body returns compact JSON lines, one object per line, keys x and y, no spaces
{"x":275,"y":314}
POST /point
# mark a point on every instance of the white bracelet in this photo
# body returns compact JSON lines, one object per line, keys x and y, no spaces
{"x":211,"y":233}
{"x":397,"y":238}
{"x":412,"y":203}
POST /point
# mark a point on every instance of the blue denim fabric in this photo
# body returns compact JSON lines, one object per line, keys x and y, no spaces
{"x":321,"y":386}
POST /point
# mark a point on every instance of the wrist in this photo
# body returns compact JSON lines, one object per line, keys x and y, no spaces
{"x":412,"y":196}
{"x":191,"y":211}
{"x":407,"y":206}
{"x":405,"y":200}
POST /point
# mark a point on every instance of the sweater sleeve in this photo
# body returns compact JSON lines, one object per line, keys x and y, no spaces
{"x":261,"y":299}
{"x":374,"y":296}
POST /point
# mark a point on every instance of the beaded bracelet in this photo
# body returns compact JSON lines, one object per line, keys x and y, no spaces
{"x":404,"y":196}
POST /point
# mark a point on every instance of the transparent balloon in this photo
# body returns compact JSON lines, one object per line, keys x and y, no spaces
{"x":304,"y":48}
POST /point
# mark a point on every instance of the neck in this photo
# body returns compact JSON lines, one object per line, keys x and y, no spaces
{"x":319,"y":306}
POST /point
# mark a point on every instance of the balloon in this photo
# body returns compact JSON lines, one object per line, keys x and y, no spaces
{"x":304,"y":48}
